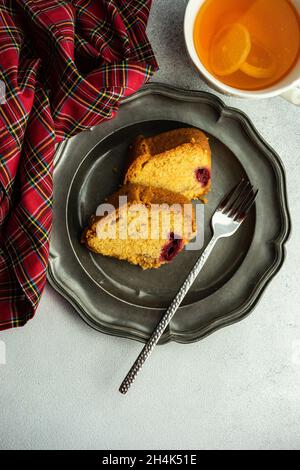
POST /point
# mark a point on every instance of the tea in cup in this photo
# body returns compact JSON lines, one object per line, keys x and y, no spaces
{"x":246,"y":48}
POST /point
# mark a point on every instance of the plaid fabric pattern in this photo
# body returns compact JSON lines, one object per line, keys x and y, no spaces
{"x":65,"y":65}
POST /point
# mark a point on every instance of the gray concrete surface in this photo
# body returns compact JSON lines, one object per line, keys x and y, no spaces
{"x":239,"y":388}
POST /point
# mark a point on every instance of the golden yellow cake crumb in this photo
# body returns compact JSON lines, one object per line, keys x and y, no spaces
{"x":178,"y":161}
{"x":148,"y":230}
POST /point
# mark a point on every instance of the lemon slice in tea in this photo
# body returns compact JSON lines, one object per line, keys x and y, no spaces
{"x":260,"y":63}
{"x":229,"y":49}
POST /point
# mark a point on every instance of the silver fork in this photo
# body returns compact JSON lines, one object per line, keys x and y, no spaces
{"x":226,"y":220}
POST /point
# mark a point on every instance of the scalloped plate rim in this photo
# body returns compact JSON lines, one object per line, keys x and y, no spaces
{"x":247,"y":307}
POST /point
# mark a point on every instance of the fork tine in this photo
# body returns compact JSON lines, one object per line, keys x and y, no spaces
{"x":242,"y":198}
{"x":230,"y":197}
{"x":244,"y":210}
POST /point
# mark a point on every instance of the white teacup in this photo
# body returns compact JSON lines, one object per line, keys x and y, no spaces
{"x":288,"y":87}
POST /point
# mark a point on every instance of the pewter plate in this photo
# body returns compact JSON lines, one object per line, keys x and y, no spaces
{"x":120,"y":299}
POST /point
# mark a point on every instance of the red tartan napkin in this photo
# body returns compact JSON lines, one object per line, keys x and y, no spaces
{"x":65,"y":65}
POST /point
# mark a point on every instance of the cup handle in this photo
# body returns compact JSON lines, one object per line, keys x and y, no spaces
{"x":293,"y":95}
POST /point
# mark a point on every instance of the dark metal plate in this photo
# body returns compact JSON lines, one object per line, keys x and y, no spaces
{"x":117,"y":298}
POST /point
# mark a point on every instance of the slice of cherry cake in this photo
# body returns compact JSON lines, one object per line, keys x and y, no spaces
{"x":143,"y":225}
{"x":177,"y":161}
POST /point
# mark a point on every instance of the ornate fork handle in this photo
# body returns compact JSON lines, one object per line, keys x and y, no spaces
{"x":150,"y":345}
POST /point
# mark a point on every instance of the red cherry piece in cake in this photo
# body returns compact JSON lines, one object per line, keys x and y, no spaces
{"x":203,"y":176}
{"x":172,"y":248}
